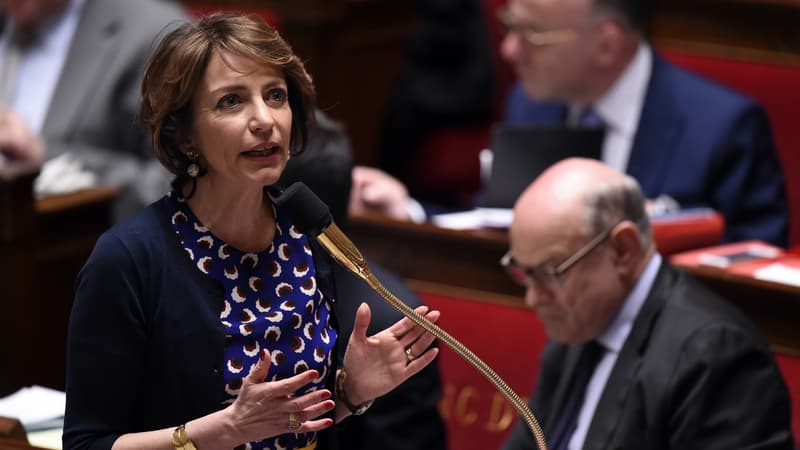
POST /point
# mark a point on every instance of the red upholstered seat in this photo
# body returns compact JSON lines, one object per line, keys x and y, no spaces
{"x":509,"y":339}
{"x":446,"y":168}
{"x":790,"y":368}
{"x":679,"y":232}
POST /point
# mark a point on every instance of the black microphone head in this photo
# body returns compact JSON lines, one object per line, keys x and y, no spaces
{"x":307,"y":212}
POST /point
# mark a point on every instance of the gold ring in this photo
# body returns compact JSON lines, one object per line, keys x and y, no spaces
{"x":294,"y":424}
{"x":410,"y":356}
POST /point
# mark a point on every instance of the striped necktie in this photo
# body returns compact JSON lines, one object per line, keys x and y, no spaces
{"x":567,"y":421}
{"x":588,"y":118}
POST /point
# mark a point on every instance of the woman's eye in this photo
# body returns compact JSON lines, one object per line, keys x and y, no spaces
{"x":276,"y":95}
{"x":228,"y":101}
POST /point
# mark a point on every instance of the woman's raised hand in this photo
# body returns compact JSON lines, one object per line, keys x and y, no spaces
{"x":377,"y":364}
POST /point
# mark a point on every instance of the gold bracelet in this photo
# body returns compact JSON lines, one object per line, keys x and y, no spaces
{"x":341,"y":394}
{"x":180,"y":440}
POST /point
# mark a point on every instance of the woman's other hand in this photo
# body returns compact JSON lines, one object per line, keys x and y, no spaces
{"x":376,"y":191}
{"x":263,"y":409}
{"x":377,"y":364}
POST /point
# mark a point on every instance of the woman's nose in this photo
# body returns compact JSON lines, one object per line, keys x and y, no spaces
{"x":261,"y":119}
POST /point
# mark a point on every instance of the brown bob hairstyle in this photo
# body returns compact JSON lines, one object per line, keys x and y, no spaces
{"x":179,"y":64}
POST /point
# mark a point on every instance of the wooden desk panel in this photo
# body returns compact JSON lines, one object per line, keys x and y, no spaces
{"x":470,"y":258}
{"x":12,"y":435}
{"x":16,"y":444}
{"x":447,"y":261}
{"x":426,"y":253}
{"x":43,"y":245}
{"x":751,"y":30}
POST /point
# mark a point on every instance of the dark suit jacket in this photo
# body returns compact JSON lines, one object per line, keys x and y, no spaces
{"x":701,"y":144}
{"x":694,"y":373}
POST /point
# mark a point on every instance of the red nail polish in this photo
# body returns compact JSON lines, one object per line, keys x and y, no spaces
{"x":263,"y":355}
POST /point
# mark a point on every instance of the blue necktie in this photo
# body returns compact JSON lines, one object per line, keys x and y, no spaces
{"x":590,"y":355}
{"x":590,"y":119}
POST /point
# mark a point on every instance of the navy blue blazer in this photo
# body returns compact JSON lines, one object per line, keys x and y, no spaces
{"x":700,"y":143}
{"x":694,"y":373}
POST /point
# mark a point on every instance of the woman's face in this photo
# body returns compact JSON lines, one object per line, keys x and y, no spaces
{"x":241,"y":122}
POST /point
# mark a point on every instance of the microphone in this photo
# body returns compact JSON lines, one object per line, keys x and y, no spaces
{"x":312,"y":217}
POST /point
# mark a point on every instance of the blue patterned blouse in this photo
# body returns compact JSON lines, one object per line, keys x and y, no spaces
{"x":271,"y":301}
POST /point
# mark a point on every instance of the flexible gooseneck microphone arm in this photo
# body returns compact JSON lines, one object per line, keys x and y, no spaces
{"x":312,"y":217}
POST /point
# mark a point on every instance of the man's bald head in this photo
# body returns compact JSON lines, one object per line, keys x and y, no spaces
{"x":561,"y":190}
{"x":583,"y":211}
{"x":583,"y":190}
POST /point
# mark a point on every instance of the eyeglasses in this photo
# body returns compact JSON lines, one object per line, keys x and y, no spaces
{"x":550,"y":278}
{"x":537,"y":38}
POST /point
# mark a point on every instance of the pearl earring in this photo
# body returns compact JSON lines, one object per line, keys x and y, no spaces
{"x":194,"y":169}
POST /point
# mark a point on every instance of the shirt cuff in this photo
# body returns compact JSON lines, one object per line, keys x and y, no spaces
{"x":416,"y":213}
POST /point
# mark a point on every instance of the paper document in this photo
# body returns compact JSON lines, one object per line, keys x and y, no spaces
{"x":779,"y":273}
{"x":46,"y":438}
{"x":474,"y":219}
{"x":62,"y":174}
{"x":36,"y":407}
{"x":502,"y":217}
{"x":682,"y":215}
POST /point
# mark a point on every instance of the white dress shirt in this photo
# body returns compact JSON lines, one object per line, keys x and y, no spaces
{"x":612,"y":339}
{"x":621,"y":107}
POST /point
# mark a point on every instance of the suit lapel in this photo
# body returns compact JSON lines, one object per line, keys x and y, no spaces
{"x":551,"y":113}
{"x":522,"y":110}
{"x":93,"y":45}
{"x":623,"y":375}
{"x":657,"y":133}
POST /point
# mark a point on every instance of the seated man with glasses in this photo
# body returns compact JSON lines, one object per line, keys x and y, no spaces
{"x":640,"y":355}
{"x":678,"y":134}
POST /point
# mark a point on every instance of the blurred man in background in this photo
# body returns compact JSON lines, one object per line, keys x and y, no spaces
{"x":682,"y":137}
{"x":70,"y":77}
{"x":640,"y":355}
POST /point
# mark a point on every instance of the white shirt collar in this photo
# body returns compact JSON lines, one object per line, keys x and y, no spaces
{"x":617,"y":332}
{"x":621,"y":105}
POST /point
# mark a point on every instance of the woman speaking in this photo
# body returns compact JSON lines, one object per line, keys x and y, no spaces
{"x":207,"y":321}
